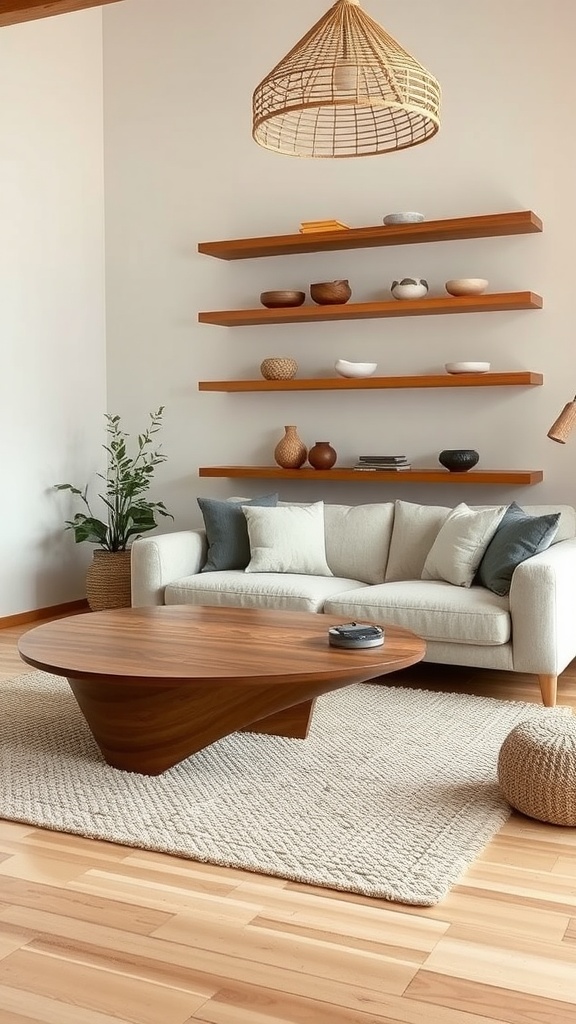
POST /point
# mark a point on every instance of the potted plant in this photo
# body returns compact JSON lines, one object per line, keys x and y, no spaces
{"x":129,"y":513}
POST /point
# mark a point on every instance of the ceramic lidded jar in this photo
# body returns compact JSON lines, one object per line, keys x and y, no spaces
{"x":290,"y":452}
{"x":322,"y":455}
{"x":409,"y":288}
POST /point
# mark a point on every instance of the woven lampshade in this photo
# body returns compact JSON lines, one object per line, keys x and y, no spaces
{"x":561,"y":428}
{"x":346,"y":89}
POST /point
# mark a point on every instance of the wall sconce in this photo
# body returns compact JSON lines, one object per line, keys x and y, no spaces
{"x":347,"y":88}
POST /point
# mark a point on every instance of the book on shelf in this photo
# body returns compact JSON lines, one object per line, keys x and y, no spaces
{"x":383,"y":463}
{"x":323,"y":225}
{"x":382,"y":467}
{"x":382,"y":458}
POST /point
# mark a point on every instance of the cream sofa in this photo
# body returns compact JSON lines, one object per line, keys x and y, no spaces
{"x":375,"y":554}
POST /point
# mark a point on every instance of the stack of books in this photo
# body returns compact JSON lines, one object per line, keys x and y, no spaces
{"x":385,"y":463}
{"x":322,"y":225}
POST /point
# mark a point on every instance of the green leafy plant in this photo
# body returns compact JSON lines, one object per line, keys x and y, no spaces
{"x":127,"y":479}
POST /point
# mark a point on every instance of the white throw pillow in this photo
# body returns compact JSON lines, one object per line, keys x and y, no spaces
{"x":292,"y":540}
{"x":461,"y":542}
{"x":358,"y":539}
{"x":415,"y":530}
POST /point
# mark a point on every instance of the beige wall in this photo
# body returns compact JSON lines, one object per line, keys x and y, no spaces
{"x":181,"y":167}
{"x":52,"y":384}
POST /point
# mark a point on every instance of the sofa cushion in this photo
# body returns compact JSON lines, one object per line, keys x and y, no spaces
{"x":518,"y":537}
{"x":461,"y":542}
{"x":434,"y":610}
{"x":287,"y":539}
{"x":238,"y":589}
{"x":358,"y":540}
{"x":227,"y":532}
{"x":415,"y":530}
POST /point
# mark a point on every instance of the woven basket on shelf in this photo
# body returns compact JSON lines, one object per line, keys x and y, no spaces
{"x":108,"y":583}
{"x":278,"y":368}
{"x":537,"y":769}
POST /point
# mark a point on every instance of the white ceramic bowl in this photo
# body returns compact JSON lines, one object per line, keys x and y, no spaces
{"x":467,"y":367}
{"x":347,"y":369}
{"x":403,"y":218}
{"x":466,"y":286}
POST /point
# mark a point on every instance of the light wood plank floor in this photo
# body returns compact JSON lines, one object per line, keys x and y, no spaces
{"x":94,"y":933}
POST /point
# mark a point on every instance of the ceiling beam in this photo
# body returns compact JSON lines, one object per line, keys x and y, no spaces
{"x":14,"y":11}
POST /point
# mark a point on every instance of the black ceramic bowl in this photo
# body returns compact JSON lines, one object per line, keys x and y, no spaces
{"x":458,"y":460}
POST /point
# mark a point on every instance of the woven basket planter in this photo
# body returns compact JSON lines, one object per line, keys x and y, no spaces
{"x":108,"y":583}
{"x":537,"y":769}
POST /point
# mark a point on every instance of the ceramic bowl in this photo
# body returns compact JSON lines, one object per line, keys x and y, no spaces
{"x":466,"y":286}
{"x":467,"y":367}
{"x":330,"y":293}
{"x":282,"y":299}
{"x":347,"y":369}
{"x":403,"y":218}
{"x":458,"y":460}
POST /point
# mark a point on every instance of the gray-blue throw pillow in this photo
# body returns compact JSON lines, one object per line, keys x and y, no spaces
{"x":227,"y":531}
{"x":518,"y":537}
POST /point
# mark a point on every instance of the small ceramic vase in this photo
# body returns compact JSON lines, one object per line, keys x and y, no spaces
{"x":458,"y":460}
{"x":322,"y":455}
{"x":290,"y":452}
{"x":409,"y":288}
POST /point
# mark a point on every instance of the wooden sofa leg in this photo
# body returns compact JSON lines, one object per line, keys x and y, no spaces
{"x":548,"y":689}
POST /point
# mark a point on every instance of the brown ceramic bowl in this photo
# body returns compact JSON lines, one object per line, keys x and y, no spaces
{"x":281,"y":299}
{"x":327,"y":293}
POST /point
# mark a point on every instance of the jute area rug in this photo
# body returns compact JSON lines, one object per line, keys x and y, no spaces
{"x":393,"y":793}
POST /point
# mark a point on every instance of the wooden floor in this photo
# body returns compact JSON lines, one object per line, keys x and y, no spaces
{"x":93,"y":933}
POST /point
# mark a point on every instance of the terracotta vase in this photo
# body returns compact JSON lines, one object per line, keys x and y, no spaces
{"x":322,"y":455}
{"x":108,"y":582}
{"x":290,"y":452}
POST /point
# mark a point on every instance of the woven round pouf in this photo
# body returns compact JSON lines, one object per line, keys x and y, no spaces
{"x":537,"y":769}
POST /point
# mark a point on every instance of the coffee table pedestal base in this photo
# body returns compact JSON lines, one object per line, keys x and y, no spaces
{"x":146,"y":728}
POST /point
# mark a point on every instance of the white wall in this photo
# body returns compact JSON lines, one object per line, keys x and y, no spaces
{"x":181,"y":167}
{"x":52,"y":384}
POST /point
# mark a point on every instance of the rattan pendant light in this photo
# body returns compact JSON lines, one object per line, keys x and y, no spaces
{"x":346,"y":89}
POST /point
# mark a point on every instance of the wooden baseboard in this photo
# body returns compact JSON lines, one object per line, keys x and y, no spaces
{"x":54,"y":612}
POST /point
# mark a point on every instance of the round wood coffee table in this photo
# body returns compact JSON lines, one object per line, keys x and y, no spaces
{"x":157,"y":684}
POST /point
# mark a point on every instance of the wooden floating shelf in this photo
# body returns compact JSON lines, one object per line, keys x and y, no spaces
{"x":517,"y":378}
{"x":485,"y":226}
{"x":493,"y":302}
{"x":520,"y":477}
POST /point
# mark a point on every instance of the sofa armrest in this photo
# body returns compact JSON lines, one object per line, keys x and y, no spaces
{"x":542,"y":603}
{"x":157,"y":561}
